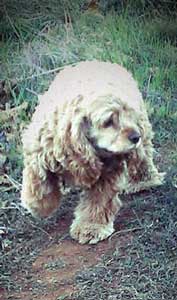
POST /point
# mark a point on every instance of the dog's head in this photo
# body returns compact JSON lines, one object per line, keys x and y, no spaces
{"x":114,"y":127}
{"x":100,"y":128}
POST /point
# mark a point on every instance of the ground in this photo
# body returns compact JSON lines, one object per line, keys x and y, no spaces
{"x":138,"y":260}
{"x":38,"y":258}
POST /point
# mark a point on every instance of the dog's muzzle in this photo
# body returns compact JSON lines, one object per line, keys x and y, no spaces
{"x":134,"y":137}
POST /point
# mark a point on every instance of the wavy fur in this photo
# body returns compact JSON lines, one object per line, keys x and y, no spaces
{"x":80,"y":132}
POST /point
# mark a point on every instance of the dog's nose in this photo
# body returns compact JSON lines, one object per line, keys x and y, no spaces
{"x":134,"y":137}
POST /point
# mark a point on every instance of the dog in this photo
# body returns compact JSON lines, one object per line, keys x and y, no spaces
{"x":92,"y":130}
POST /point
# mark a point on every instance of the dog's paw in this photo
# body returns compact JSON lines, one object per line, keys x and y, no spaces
{"x":85,"y":232}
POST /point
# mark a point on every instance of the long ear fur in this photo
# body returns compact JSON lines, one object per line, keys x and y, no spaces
{"x":147,"y":135}
{"x":141,"y":169}
{"x":79,"y":156}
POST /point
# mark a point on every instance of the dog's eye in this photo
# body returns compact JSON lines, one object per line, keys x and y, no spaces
{"x":109,"y":123}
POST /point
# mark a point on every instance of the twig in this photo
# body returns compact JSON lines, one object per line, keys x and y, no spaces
{"x":16,"y":184}
{"x":18,"y":207}
{"x":8,"y":207}
{"x":132,"y":229}
{"x":35,"y":226}
{"x":128,"y":230}
{"x":125,"y":231}
{"x":46,"y":72}
{"x":42,"y":74}
{"x":139,"y":221}
{"x":32,"y":92}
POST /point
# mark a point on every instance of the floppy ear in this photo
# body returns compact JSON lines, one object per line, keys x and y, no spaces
{"x":80,"y":158}
{"x":142,"y":171}
{"x":145,"y":125}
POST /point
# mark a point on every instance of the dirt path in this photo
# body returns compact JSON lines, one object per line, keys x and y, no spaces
{"x":53,"y":272}
{"x":59,"y":264}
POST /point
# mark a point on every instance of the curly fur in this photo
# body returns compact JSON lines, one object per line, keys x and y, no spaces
{"x":80,"y":132}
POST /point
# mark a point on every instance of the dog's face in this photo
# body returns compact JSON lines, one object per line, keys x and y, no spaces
{"x":114,"y":126}
{"x":99,"y":129}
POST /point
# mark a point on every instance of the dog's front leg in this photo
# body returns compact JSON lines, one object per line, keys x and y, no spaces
{"x":95,"y":214}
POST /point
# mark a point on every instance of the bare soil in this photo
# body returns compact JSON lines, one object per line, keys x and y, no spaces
{"x":56,"y":259}
{"x":39,"y":260}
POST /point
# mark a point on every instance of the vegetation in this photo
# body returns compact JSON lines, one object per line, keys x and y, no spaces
{"x":38,"y":38}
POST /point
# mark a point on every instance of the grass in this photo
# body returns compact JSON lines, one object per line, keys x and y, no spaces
{"x":49,"y":45}
{"x":40,"y":39}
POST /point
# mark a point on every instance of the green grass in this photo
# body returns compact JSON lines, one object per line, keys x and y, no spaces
{"x":128,"y":40}
{"x":132,"y":41}
{"x":34,"y":43}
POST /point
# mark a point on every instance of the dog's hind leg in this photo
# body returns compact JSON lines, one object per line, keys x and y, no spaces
{"x":40,"y":191}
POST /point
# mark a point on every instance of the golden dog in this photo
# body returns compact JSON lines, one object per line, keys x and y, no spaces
{"x":90,"y":128}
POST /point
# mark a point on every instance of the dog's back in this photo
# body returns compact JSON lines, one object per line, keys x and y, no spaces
{"x":93,"y":79}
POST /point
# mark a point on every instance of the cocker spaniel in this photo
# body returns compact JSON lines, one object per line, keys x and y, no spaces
{"x":91,"y":129}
